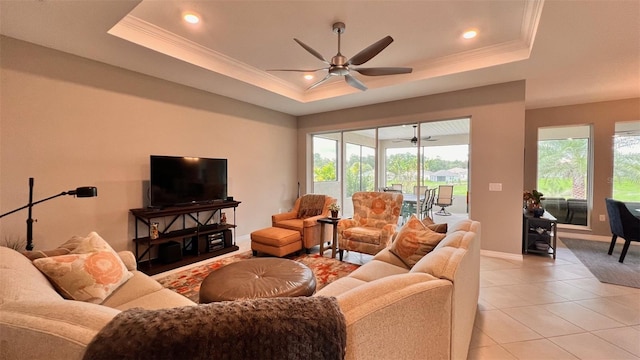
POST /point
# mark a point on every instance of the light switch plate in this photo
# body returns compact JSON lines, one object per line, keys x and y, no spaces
{"x":495,"y":186}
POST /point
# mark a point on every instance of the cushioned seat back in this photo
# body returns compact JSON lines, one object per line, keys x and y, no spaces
{"x":457,"y":258}
{"x":376,"y":209}
{"x":21,"y":281}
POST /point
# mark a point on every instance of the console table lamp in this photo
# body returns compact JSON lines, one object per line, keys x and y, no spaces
{"x":85,"y":191}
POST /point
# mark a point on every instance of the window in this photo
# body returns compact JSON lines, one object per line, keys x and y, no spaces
{"x":325,"y":154}
{"x":564,"y":172}
{"x":360,"y":164}
{"x":626,"y":161}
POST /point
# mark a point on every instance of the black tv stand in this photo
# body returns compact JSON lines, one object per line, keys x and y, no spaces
{"x":195,"y":239}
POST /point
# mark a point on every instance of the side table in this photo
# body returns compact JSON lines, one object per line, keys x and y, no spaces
{"x":539,"y":230}
{"x":334,"y":242}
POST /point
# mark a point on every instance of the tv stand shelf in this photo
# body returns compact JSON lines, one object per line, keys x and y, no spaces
{"x":193,"y":238}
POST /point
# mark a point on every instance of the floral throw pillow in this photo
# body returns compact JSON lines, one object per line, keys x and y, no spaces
{"x":414,"y":240}
{"x":63,"y":249}
{"x":91,"y":272}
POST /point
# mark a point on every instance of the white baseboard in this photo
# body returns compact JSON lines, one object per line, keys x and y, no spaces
{"x":584,"y":236}
{"x":501,"y":255}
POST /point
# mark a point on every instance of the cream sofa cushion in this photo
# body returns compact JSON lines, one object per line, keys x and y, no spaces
{"x":21,"y":280}
{"x":341,"y":285}
{"x":376,"y":269}
{"x":135,"y":287}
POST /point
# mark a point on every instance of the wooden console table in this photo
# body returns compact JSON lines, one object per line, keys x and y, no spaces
{"x":194,"y":237}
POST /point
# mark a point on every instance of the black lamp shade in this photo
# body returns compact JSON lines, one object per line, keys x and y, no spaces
{"x":85,"y":191}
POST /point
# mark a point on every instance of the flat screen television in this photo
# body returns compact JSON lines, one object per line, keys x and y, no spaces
{"x":177,"y":180}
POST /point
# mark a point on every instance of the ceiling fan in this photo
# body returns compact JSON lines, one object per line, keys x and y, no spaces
{"x":414,"y":139}
{"x":340,"y":66}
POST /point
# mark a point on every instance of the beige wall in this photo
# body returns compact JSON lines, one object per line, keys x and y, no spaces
{"x":602,"y":116}
{"x":69,"y":121}
{"x":496,"y":147}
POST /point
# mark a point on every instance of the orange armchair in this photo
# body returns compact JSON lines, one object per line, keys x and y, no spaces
{"x":308,"y":226}
{"x":375,"y":220}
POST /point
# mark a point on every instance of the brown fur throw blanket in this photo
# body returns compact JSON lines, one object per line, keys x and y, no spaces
{"x":311,"y":205}
{"x":273,"y":328}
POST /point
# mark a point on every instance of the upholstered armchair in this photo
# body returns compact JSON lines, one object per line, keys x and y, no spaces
{"x":375,"y":220}
{"x":304,"y":218}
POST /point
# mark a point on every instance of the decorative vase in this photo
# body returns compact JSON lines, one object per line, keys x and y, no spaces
{"x":530,"y":205}
{"x":334,"y":214}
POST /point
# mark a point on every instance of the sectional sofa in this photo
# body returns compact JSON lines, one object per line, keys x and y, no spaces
{"x":423,"y":312}
{"x":389,"y":310}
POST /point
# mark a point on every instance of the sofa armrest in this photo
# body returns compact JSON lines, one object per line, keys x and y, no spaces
{"x":48,"y":329}
{"x":345,"y":224}
{"x":128,"y":259}
{"x":283,"y":216}
{"x":388,"y":319}
{"x":389,"y":230}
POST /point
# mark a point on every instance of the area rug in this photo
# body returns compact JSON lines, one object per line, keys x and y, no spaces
{"x":187,"y":282}
{"x":606,"y":268}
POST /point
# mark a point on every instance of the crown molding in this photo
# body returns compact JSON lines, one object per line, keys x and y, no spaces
{"x":143,"y":33}
{"x":148,"y":35}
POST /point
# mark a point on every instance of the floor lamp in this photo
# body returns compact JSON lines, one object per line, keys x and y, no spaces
{"x":85,"y":191}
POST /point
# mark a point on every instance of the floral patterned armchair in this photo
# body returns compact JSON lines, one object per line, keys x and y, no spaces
{"x":375,"y":220}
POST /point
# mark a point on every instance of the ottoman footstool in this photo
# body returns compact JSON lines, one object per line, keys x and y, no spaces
{"x":276,"y":241}
{"x":258,"y":278}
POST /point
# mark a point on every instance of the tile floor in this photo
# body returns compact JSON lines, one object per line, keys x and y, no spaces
{"x":539,"y":308}
{"x":545,"y":309}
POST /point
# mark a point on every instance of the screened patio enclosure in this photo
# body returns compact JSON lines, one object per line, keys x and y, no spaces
{"x":409,"y":158}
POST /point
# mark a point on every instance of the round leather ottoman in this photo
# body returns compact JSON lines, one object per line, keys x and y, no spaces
{"x":258,"y":278}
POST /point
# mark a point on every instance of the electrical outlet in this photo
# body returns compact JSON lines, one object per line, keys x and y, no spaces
{"x":603,"y":218}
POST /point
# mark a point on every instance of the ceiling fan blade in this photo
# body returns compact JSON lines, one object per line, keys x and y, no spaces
{"x":379,"y":71}
{"x":297,"y":70}
{"x":320,"y":82}
{"x":355,"y":82}
{"x":371,"y":51}
{"x":311,"y":51}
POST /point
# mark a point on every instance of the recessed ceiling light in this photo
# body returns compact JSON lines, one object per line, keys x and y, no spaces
{"x":308,"y":76}
{"x":191,"y":18}
{"x":470,"y":34}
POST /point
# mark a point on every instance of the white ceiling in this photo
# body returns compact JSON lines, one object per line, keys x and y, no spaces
{"x":569,"y":52}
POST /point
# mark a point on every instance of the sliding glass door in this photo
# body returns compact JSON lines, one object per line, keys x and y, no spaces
{"x":360,"y":165}
{"x":406,"y":158}
{"x":326,"y":164}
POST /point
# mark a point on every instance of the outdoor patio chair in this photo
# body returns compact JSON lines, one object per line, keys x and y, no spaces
{"x":445,"y":198}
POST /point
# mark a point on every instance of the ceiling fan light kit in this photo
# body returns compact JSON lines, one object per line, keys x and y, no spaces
{"x":341,"y":66}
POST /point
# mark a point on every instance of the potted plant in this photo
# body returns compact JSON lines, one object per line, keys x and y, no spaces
{"x":532,"y":202}
{"x":334,"y":208}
